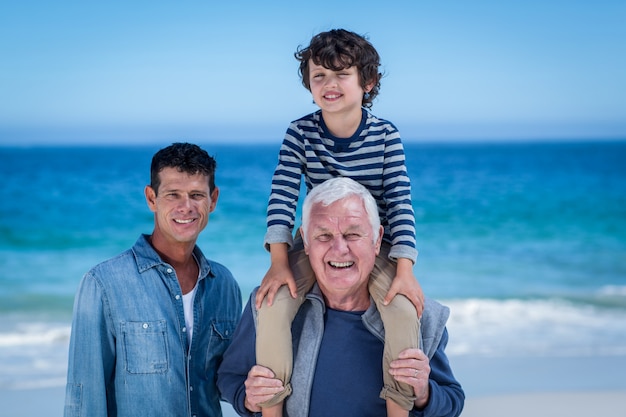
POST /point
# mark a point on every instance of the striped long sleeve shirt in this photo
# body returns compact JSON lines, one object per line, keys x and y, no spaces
{"x":373,"y":156}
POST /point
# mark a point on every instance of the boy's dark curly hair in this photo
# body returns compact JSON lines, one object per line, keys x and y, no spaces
{"x":338,"y":49}
{"x":185,"y":157}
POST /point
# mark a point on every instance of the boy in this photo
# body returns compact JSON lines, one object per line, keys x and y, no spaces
{"x":340,"y":68}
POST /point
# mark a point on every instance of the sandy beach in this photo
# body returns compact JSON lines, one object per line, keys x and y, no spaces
{"x":549,"y":404}
{"x":543,"y":387}
{"x":495,"y":387}
{"x":48,"y":402}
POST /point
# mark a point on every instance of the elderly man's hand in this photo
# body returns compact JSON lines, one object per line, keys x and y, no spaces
{"x":260,"y":386}
{"x":413,"y":367}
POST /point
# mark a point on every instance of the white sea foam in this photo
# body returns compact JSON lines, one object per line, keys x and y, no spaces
{"x":535,"y":327}
{"x":34,"y":353}
{"x":35,"y":334}
{"x":613,"y":290}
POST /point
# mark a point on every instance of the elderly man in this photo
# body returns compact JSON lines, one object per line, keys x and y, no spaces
{"x":338,"y":334}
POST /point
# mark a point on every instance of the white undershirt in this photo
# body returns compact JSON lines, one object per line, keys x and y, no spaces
{"x":188,"y":310}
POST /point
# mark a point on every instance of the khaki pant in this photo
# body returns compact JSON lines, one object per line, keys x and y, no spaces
{"x":273,"y":341}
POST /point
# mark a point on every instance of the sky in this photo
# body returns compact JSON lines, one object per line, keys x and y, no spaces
{"x":158,"y":71}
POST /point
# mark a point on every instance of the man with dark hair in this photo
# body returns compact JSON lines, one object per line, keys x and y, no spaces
{"x":150,"y":326}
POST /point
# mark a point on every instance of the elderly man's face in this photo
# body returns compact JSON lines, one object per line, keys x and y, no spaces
{"x":340,"y":245}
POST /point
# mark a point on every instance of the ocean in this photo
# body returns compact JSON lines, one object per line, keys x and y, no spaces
{"x":526,"y":242}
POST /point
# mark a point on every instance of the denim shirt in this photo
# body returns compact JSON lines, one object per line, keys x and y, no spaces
{"x":129,"y":354}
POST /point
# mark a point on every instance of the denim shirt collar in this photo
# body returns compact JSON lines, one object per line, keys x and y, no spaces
{"x":147,"y":258}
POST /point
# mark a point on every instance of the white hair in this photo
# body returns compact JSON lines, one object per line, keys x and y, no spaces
{"x":336,"y":189}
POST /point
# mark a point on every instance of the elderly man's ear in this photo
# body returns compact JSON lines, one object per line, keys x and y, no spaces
{"x":306,"y":245}
{"x":381,"y":230}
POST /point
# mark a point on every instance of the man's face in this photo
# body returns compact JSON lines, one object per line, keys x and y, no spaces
{"x":341,"y":249}
{"x":182,"y":205}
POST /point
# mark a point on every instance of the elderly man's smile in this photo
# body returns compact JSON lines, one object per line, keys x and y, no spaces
{"x":340,"y":265}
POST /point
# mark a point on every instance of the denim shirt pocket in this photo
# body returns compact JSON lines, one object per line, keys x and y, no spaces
{"x":145,"y":346}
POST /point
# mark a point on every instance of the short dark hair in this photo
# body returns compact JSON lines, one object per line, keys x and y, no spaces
{"x":338,"y":49}
{"x":185,"y":157}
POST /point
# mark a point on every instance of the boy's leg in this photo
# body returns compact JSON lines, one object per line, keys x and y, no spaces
{"x":273,"y":339}
{"x":274,"y":348}
{"x":402,"y":328}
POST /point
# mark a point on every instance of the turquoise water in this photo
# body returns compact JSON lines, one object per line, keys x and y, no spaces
{"x":521,"y":238}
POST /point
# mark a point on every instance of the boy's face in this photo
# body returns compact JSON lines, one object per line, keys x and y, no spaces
{"x":336,"y":91}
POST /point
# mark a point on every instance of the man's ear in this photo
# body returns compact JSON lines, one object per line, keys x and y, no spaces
{"x":150,"y":197}
{"x":214,"y":197}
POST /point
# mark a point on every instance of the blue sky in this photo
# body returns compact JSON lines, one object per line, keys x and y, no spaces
{"x":150,"y":71}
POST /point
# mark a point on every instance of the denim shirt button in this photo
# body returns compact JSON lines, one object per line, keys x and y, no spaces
{"x":184,"y":329}
{"x":190,"y":388}
{"x":169,"y":270}
{"x":145,"y":325}
{"x":177,"y":297}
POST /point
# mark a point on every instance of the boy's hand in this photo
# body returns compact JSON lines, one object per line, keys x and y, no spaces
{"x":405,"y":283}
{"x":277,"y":276}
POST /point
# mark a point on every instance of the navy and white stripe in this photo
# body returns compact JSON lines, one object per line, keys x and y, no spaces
{"x":374,"y":157}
